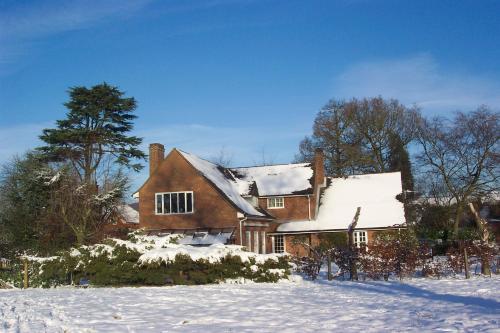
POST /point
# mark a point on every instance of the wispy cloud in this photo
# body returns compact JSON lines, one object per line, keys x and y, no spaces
{"x":48,"y":17}
{"x":245,"y":145}
{"x":421,"y":80}
{"x":22,"y":24}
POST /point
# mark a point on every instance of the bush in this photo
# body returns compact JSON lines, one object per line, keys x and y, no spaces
{"x":106,"y":265}
{"x":391,"y":252}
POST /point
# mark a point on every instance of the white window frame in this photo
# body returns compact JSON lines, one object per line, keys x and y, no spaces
{"x":276,"y":202}
{"x":256,"y":244}
{"x":360,"y":237}
{"x":162,"y":194}
{"x":275,"y":244}
{"x":248,"y":240}
{"x":263,"y":242}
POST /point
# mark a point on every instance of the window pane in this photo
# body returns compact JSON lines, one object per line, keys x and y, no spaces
{"x":166,"y":203}
{"x":173,"y":203}
{"x":189,"y":202}
{"x":248,"y":240}
{"x":263,"y":242}
{"x":279,"y":244}
{"x":256,"y":241}
{"x":159,"y":209}
{"x":182,"y":202}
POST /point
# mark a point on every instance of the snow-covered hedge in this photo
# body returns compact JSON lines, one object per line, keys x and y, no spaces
{"x":154,"y":260}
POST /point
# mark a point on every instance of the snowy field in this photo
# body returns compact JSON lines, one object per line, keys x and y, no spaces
{"x":415,"y":305}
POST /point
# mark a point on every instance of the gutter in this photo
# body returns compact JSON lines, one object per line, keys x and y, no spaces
{"x":309,"y":206}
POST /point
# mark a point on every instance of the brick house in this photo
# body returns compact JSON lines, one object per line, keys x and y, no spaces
{"x":265,"y":207}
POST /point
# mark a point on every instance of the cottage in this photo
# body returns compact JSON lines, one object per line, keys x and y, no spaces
{"x":262,"y":207}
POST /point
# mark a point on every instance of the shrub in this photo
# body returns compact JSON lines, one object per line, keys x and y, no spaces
{"x":391,"y":252}
{"x":118,"y":265}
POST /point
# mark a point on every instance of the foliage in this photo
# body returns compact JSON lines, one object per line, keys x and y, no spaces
{"x":460,"y":157}
{"x":358,"y":136}
{"x":475,"y":248}
{"x":117,"y":265}
{"x":24,"y":197}
{"x":391,"y":252}
{"x":95,"y":131}
{"x":81,"y":207}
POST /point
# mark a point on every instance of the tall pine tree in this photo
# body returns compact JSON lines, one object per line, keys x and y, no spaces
{"x":96,"y":128}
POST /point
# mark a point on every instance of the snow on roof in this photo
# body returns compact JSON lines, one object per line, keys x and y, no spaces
{"x":374,"y":193}
{"x":228,"y":186}
{"x":129,"y":213}
{"x":205,"y":238}
{"x":275,"y":179}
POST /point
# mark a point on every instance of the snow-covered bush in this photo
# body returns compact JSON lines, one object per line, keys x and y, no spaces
{"x":154,"y":260}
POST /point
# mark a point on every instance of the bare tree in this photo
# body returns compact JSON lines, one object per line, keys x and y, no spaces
{"x":375,"y":121}
{"x":357,"y":136}
{"x":462,"y":155}
{"x":333,"y":132}
{"x":222,"y":158}
{"x":78,"y":206}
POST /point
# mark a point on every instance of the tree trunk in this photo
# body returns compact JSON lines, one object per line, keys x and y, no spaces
{"x":466,"y":262}
{"x":352,"y":247}
{"x":458,"y":218}
{"x":485,"y":235}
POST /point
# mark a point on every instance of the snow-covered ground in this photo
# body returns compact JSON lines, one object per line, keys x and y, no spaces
{"x":414,"y":305}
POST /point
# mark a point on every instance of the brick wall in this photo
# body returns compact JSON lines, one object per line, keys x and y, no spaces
{"x":296,"y":208}
{"x":174,"y":173}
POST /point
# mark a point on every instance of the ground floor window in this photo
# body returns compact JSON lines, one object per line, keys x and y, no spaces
{"x":248,"y":240}
{"x":360,"y":237}
{"x":263,"y":242}
{"x":256,"y":241}
{"x":279,"y":244}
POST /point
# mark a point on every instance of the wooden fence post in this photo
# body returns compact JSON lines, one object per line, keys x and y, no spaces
{"x":466,"y":263}
{"x":329,"y":263}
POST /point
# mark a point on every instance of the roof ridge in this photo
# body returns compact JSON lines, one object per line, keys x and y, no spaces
{"x":268,"y":165}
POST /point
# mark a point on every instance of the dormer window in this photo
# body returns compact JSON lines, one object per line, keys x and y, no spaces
{"x":275,"y":202}
{"x":174,"y":203}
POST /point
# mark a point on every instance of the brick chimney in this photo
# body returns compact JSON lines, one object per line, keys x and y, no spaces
{"x":319,"y":167}
{"x":319,"y":176}
{"x":156,"y":155}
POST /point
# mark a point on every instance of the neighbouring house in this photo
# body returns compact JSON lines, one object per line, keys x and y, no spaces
{"x":263,"y":207}
{"x":127,"y":219}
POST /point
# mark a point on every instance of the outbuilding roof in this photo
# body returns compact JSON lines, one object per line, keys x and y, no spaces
{"x":272,"y":180}
{"x":374,"y":193}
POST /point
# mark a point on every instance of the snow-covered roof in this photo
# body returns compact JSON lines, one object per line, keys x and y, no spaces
{"x":224,"y":180}
{"x":129,"y":213}
{"x":205,"y":238}
{"x":374,"y":193}
{"x":280,"y":179}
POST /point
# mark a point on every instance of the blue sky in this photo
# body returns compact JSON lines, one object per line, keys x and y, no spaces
{"x":244,"y":76}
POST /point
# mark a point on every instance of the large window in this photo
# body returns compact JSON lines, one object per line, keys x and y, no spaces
{"x":174,"y":203}
{"x":279,"y":244}
{"x":256,"y":242}
{"x":276,"y":202}
{"x":248,"y":240}
{"x":360,"y":238}
{"x":263,"y":242}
